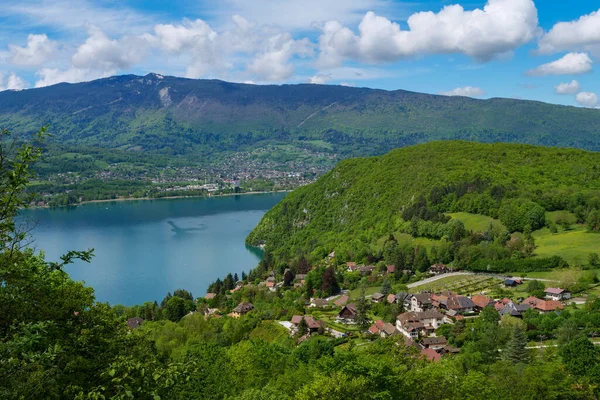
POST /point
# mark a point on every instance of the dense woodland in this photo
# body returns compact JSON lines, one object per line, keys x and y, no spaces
{"x":364,"y":202}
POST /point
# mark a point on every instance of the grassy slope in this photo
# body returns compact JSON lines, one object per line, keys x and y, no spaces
{"x":476,"y":222}
{"x":573,"y":245}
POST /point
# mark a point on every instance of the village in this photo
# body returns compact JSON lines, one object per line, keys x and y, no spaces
{"x":414,"y":316}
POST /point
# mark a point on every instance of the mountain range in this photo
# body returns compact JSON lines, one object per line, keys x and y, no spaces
{"x":176,"y":116}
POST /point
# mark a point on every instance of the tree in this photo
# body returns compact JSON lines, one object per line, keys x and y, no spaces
{"x":593,"y":220}
{"x":175,"y":309}
{"x":386,"y":287}
{"x":329,"y":286}
{"x":164,"y":301}
{"x":288,"y":278}
{"x":228,"y":283}
{"x":184,"y":294}
{"x":581,"y":357}
{"x":421,"y":261}
{"x":362,"y":308}
{"x":567,"y":331}
{"x":302,"y":327}
{"x":515,"y":350}
{"x":303,"y":266}
{"x":536,"y":288}
{"x":236,"y":279}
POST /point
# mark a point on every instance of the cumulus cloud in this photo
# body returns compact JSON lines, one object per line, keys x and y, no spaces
{"x":13,"y":82}
{"x":273,"y":64}
{"x":567,"y":87}
{"x":570,"y":64}
{"x":587,"y":99}
{"x":210,"y":51}
{"x":320,"y":79}
{"x":102,"y":53}
{"x":578,"y":34}
{"x":497,"y":29}
{"x":38,"y":50}
{"x":467,"y":91}
{"x":52,"y":76}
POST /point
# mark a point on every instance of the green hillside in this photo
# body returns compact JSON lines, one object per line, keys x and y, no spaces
{"x":208,"y":118}
{"x":409,"y":190}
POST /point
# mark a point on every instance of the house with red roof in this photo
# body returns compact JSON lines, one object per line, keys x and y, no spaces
{"x":431,"y":355}
{"x":543,"y":306}
{"x":482,"y":302}
{"x":383,"y":329}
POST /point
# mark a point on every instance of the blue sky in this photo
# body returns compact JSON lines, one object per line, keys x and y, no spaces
{"x":540,"y":50}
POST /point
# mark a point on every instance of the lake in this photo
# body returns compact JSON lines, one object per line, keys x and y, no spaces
{"x":146,"y":248}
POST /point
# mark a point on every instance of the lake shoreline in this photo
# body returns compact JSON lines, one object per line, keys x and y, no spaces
{"x":160,"y":198}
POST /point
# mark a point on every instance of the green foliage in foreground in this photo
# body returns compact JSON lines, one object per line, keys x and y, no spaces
{"x":406,"y":190}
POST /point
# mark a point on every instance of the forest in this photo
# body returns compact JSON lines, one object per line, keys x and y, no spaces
{"x":366,"y":208}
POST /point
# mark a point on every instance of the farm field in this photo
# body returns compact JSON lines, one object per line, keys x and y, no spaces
{"x":461,"y":284}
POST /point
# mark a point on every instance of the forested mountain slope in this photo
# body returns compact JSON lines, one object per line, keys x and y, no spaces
{"x":182,"y":116}
{"x":409,"y":189}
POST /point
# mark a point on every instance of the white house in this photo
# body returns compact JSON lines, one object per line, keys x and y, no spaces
{"x":557,"y":294}
{"x":411,"y":324}
{"x":420,"y":302}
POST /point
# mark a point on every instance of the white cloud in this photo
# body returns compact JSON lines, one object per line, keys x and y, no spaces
{"x":567,"y":87}
{"x":498,"y":28}
{"x":274,"y":64}
{"x":578,"y":34}
{"x":320,"y":79}
{"x":102,"y":53}
{"x":212,"y":52}
{"x":52,"y":76}
{"x":468,"y":91}
{"x":587,"y":99}
{"x":38,"y":50}
{"x":569,"y":64}
{"x":13,"y":82}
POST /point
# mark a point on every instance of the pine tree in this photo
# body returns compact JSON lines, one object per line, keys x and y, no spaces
{"x":302,"y":327}
{"x":329,"y":285}
{"x":288,"y":278}
{"x":236,"y":278}
{"x":386,"y":287}
{"x":362,"y":307}
{"x":515,"y":350}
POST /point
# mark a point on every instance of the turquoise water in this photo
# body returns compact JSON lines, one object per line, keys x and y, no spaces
{"x":144,"y":249}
